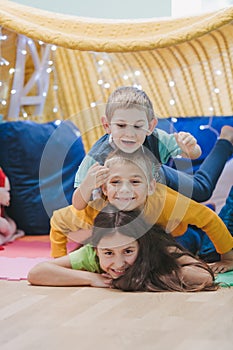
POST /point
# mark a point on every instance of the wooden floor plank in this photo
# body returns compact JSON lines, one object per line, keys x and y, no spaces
{"x":91,"y":318}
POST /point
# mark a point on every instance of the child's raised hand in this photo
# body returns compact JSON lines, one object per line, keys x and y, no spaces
{"x":224,"y":265}
{"x":188,"y":144}
{"x":96,"y":176}
{"x":4,"y":197}
{"x":101,"y":280}
{"x":185,"y":140}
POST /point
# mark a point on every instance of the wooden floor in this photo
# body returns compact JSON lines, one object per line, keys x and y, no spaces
{"x":91,"y":319}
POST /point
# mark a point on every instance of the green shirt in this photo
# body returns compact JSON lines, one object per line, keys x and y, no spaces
{"x":167,"y":146}
{"x":85,"y":258}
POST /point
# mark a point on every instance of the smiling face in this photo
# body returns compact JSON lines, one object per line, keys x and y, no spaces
{"x":127,"y":186}
{"x":129,"y":128}
{"x":117,"y":253}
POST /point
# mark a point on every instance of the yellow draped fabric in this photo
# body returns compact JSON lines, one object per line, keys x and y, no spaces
{"x":184,"y":65}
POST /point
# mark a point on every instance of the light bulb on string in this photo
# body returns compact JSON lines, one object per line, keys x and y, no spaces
{"x":172,"y":102}
{"x":218,"y":72}
{"x":209,"y":127}
{"x":3,"y":37}
{"x":55,"y":86}
{"x":106,"y":85}
{"x":4,"y":62}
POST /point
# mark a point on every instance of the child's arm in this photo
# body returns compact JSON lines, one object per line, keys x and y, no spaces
{"x":58,"y":272}
{"x":96,"y":177}
{"x":188,"y":145}
{"x":218,"y":233}
{"x":180,"y":211}
{"x":58,"y":242}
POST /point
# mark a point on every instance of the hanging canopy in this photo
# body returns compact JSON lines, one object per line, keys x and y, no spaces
{"x":184,"y":65}
{"x":103,"y":35}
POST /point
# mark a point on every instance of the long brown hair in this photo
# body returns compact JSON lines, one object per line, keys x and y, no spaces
{"x":157,"y":267}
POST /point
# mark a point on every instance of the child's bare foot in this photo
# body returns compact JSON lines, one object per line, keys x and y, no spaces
{"x":227,"y":133}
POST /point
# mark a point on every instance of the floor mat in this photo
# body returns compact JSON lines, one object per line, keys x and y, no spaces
{"x":225,"y":279}
{"x":18,"y":257}
{"x":15,"y":269}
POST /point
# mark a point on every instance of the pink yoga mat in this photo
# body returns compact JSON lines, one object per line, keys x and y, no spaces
{"x":16,"y":269}
{"x":18,"y":257}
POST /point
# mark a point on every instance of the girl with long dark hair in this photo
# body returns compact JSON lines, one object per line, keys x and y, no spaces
{"x":125,"y":253}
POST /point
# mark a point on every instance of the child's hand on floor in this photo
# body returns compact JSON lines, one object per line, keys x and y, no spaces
{"x":224,"y":265}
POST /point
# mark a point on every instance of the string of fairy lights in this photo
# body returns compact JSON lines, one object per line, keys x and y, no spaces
{"x":46,"y":67}
{"x":105,"y":80}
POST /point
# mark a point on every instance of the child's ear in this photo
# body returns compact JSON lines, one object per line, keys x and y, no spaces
{"x":106,"y":124}
{"x":151,"y":187}
{"x":104,"y":190}
{"x":152,"y":125}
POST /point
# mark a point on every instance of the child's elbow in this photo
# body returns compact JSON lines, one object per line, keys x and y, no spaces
{"x":35,"y":275}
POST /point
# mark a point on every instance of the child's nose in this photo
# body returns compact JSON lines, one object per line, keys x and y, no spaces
{"x":119,"y":262}
{"x":130,"y":130}
{"x":126,"y":187}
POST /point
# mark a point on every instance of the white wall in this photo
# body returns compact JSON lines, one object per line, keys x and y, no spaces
{"x":121,"y":9}
{"x":181,"y":8}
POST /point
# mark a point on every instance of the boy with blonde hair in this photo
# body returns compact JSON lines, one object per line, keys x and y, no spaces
{"x":130,"y":123}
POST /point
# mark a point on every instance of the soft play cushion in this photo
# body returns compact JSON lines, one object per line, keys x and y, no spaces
{"x":204,"y":129}
{"x":40,"y":161}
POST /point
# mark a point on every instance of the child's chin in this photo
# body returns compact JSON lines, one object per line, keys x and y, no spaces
{"x":129,"y":150}
{"x":124,"y":205}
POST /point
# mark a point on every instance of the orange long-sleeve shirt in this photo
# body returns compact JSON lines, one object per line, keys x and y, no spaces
{"x":165,"y":206}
